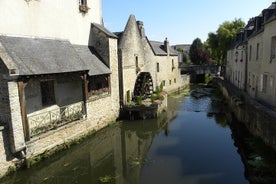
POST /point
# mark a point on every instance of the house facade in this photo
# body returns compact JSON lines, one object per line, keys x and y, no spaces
{"x":144,"y":63}
{"x":63,"y":74}
{"x":258,"y":70}
{"x":59,"y":76}
{"x":236,"y":63}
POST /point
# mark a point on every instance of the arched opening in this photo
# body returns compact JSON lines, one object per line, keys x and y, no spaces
{"x":143,"y":86}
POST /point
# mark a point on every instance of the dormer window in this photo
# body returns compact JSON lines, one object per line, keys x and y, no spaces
{"x":83,"y":6}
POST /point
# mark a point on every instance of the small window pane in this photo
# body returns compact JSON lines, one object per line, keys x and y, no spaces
{"x":47,"y":93}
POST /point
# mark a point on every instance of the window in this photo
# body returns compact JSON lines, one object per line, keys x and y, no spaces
{"x":137,"y":65}
{"x":271,"y":82}
{"x":83,"y":6}
{"x":253,"y":82}
{"x":174,"y":80}
{"x":136,"y":62}
{"x":157,"y":67}
{"x":273,"y":47}
{"x":164,"y":83}
{"x":257,"y":51}
{"x":170,"y":82}
{"x":172,"y":64}
{"x":264,"y":83}
{"x":83,"y":2}
{"x":99,"y":85}
{"x":47,"y":93}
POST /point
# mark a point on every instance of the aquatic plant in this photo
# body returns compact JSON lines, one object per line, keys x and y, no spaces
{"x":108,"y":179}
{"x":139,"y":100}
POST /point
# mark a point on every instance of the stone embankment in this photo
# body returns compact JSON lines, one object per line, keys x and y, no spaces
{"x":259,"y":118}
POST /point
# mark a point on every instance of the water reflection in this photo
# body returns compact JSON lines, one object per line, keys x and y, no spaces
{"x":191,"y":144}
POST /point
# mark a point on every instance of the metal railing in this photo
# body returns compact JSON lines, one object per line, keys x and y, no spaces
{"x":45,"y":121}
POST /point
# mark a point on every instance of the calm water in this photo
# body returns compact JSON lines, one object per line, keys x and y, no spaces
{"x":190,"y":144}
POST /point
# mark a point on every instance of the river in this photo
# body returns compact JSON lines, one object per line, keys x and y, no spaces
{"x":191,"y":143}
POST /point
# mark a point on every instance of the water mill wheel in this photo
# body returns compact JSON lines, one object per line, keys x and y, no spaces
{"x":143,"y":85}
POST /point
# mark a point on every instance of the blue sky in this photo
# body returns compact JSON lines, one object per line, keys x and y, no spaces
{"x":181,"y":21}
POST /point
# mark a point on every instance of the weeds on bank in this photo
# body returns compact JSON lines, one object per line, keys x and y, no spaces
{"x":108,"y":179}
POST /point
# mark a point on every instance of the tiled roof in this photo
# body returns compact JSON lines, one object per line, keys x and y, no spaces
{"x":159,"y":49}
{"x":33,"y":56}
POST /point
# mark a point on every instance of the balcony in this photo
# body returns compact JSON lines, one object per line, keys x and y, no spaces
{"x":54,"y":118}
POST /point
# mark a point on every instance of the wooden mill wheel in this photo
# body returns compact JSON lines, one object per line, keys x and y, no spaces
{"x":143,"y":85}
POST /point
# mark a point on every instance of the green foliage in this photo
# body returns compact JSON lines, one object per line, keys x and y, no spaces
{"x":157,"y":89}
{"x":198,"y":54}
{"x":139,"y":100}
{"x":218,"y":43}
{"x":208,"y":78}
{"x":108,"y":179}
{"x":128,"y":96}
{"x":161,"y":87}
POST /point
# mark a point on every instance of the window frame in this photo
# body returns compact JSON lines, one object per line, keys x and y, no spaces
{"x":157,"y":67}
{"x":273,"y":48}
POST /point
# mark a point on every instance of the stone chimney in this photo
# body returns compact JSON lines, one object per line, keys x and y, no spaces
{"x":141,"y":28}
{"x":167,"y":46}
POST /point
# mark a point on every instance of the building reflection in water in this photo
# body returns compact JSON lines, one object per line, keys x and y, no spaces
{"x":115,"y":154}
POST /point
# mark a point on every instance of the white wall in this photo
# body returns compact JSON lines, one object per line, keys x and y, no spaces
{"x":49,"y":18}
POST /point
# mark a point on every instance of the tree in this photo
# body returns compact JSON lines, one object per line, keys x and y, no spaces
{"x":194,"y":51}
{"x":212,"y":45}
{"x":218,"y":43}
{"x":198,"y":54}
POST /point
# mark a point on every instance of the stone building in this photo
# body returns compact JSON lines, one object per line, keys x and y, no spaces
{"x":236,"y":61}
{"x":145,"y":64}
{"x":186,"y":50}
{"x":59,"y":76}
{"x":63,"y":74}
{"x":257,"y":43}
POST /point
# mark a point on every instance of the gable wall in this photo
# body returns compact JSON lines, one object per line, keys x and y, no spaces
{"x":49,"y":18}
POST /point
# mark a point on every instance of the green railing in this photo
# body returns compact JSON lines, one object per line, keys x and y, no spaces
{"x":43,"y":122}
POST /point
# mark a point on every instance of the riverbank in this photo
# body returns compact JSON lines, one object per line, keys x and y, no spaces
{"x":47,"y":144}
{"x":258,"y":118}
{"x":187,"y":144}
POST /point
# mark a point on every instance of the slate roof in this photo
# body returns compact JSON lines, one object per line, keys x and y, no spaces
{"x":159,"y":49}
{"x":34,"y":56}
{"x":88,"y":54}
{"x":104,"y":30}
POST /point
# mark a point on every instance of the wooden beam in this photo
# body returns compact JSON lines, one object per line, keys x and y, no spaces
{"x":21,"y":93}
{"x":85,"y":91}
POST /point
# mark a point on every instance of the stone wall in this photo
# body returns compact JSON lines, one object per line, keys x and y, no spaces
{"x":100,"y":113}
{"x":258,"y":118}
{"x":135,"y":47}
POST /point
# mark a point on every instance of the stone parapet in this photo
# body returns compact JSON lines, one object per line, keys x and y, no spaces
{"x":257,"y":117}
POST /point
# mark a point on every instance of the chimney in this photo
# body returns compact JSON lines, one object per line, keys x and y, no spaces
{"x":141,"y":28}
{"x":167,"y":46}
